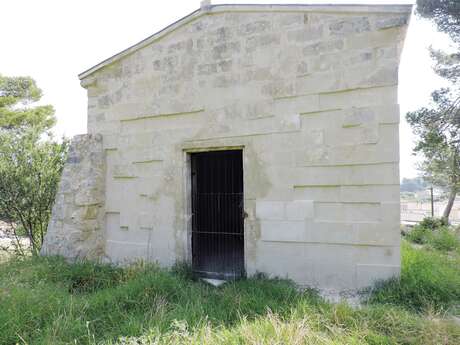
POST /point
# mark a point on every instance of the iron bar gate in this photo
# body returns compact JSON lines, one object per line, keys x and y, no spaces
{"x":217,"y":214}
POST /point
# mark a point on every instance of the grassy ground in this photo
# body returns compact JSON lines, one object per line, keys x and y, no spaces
{"x":46,"y":301}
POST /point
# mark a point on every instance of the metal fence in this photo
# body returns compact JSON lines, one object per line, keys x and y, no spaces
{"x":415,"y":211}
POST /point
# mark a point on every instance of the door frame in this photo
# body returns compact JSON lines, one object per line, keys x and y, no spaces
{"x":187,"y":179}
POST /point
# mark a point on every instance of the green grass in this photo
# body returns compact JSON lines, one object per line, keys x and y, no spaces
{"x":47,"y":301}
{"x":445,"y":240}
{"x":429,"y":280}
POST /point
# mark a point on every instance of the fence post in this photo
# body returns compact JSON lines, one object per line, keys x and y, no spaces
{"x":432,"y":202}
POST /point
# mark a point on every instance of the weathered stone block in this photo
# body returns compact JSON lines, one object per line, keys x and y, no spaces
{"x":305,"y":34}
{"x":370,"y":194}
{"x":287,"y":254}
{"x":323,"y":47}
{"x":89,"y":196}
{"x":297,"y":105}
{"x":316,"y":83}
{"x":255,"y":42}
{"x":91,"y":212}
{"x":279,"y":88}
{"x":223,"y":33}
{"x":255,"y":27}
{"x":226,"y":50}
{"x":374,"y":39}
{"x":358,"y":116}
{"x":302,"y":68}
{"x":299,"y":210}
{"x":283,"y":231}
{"x":390,"y":22}
{"x":288,"y":19}
{"x":270,"y":210}
{"x":185,"y":45}
{"x":349,"y":26}
{"x":167,"y":64}
{"x":334,"y":270}
{"x":347,"y":212}
{"x":360,"y":97}
{"x":385,"y":173}
{"x":126,"y":252}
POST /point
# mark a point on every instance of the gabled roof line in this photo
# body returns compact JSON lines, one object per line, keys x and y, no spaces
{"x":140,"y":44}
{"x":220,"y":8}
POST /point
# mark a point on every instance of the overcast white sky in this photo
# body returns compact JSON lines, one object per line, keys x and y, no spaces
{"x":54,"y":40}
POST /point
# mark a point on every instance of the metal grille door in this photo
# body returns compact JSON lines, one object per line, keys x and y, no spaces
{"x":217,"y":207}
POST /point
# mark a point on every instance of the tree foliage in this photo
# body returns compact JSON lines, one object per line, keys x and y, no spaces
{"x":17,"y":94}
{"x":438,"y":140}
{"x":30,"y":170}
{"x":446,"y":16}
{"x":444,"y":13}
{"x":438,"y":126}
{"x":31,"y":162}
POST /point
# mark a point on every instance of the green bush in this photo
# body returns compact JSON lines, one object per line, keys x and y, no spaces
{"x":433,"y":223}
{"x":419,"y":235}
{"x":30,"y":170}
{"x":433,"y":233}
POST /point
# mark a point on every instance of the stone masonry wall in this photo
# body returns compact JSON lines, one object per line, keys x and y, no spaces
{"x":308,"y":93}
{"x":76,"y":229}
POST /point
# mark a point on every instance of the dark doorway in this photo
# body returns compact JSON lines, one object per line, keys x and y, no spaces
{"x":217,"y":214}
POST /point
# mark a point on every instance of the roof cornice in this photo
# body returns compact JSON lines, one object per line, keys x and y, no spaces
{"x":222,"y":8}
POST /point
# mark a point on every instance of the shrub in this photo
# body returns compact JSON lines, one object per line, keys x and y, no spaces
{"x":30,"y":170}
{"x":430,"y":232}
{"x":419,"y":234}
{"x":433,"y":223}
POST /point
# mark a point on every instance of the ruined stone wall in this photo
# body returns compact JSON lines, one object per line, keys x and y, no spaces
{"x":76,"y":229}
{"x":310,"y":96}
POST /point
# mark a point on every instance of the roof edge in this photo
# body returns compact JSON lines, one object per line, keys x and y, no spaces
{"x":221,"y":8}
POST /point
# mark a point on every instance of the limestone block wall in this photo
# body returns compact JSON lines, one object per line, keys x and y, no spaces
{"x":308,"y":93}
{"x":76,"y":229}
